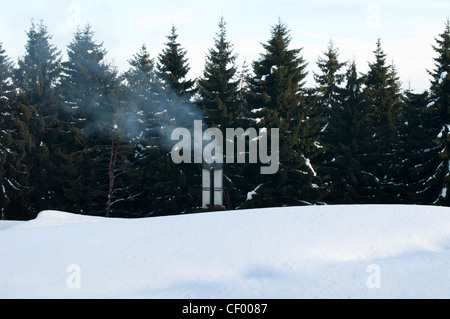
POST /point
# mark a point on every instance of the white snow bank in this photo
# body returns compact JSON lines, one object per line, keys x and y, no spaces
{"x":55,"y":218}
{"x":296,"y":252}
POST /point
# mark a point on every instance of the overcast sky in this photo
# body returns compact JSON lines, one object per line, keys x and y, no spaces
{"x":407,"y":28}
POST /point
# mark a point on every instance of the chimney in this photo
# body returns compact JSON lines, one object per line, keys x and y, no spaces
{"x":212,"y":192}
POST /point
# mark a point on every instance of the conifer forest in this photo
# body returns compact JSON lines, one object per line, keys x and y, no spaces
{"x":79,"y":136}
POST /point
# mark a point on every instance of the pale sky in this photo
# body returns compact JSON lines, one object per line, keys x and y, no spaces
{"x":407,"y":28}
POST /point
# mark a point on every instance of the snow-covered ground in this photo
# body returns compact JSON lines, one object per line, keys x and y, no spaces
{"x":282,"y":253}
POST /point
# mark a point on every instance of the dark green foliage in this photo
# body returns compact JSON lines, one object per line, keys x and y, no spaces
{"x":40,"y":68}
{"x":219,"y":100}
{"x":143,"y":103}
{"x":37,"y":76}
{"x":217,"y":87}
{"x":173,"y":64}
{"x":329,"y":102}
{"x":167,"y":188}
{"x":6,"y":74}
{"x":439,"y":108}
{"x":21,"y":157}
{"x":153,"y":107}
{"x":77,"y":136}
{"x":90,"y":87}
{"x":383,"y":101}
{"x":382,"y":92}
{"x":329,"y":81}
{"x":146,"y":112}
{"x":417,"y":151}
{"x":279,"y":100}
{"x":89,"y":84}
{"x":344,"y":140}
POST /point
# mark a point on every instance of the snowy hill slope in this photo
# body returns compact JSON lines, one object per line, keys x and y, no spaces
{"x":297,"y":252}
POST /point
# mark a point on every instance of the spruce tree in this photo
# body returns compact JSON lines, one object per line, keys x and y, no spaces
{"x":218,"y":93}
{"x":344,"y":142}
{"x":439,"y":109}
{"x":279,"y":100}
{"x":6,"y":76}
{"x":173,"y":64}
{"x":89,"y":84}
{"x":217,"y":87}
{"x":329,"y":98}
{"x":329,"y":81}
{"x":38,"y":76}
{"x":383,"y":97}
{"x":243,"y":111}
{"x":90,"y":88}
{"x":12,"y":183}
{"x":143,"y":103}
{"x":39,"y":70}
{"x":236,"y":174}
{"x":21,"y":153}
{"x":150,"y":112}
{"x":418,"y":151}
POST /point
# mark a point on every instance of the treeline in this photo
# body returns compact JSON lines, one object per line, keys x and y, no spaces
{"x":79,"y":136}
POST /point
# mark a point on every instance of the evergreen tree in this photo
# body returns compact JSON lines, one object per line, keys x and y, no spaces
{"x":173,"y":64}
{"x":279,"y":100}
{"x":89,"y":84}
{"x":12,"y":182}
{"x":383,"y":97}
{"x":6,"y":75}
{"x":39,"y":70}
{"x":439,"y":108}
{"x":21,"y":154}
{"x":90,"y":87}
{"x":243,"y":111}
{"x":418,"y":151}
{"x":329,"y":95}
{"x":150,"y":112}
{"x":141,"y":67}
{"x":217,"y":88}
{"x":37,"y":77}
{"x":144,"y":105}
{"x":344,"y":142}
{"x":329,"y":81}
{"x":218,"y":94}
{"x":236,"y":175}
{"x":153,"y":108}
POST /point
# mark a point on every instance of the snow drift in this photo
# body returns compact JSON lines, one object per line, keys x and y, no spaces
{"x":283,"y":253}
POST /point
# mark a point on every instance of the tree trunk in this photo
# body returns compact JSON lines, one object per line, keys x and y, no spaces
{"x":112,"y":168}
